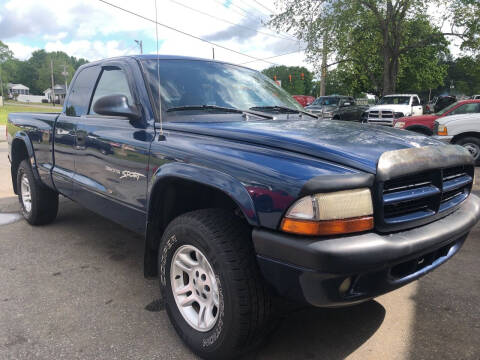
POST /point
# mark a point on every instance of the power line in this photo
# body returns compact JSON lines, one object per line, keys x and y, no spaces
{"x":232,"y":23}
{"x":272,"y":57}
{"x":183,"y":32}
{"x":249,"y":14}
{"x":263,"y":6}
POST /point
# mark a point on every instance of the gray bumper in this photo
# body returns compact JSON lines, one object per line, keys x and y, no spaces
{"x":314,"y":270}
{"x":444,"y":139}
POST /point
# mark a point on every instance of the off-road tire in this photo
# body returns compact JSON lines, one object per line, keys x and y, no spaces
{"x":246,"y":316}
{"x":44,"y":201}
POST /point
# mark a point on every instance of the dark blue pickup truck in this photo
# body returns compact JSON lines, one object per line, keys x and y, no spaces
{"x":241,"y":195}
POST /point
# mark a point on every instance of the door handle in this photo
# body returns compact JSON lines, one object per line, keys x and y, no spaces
{"x":81,"y":139}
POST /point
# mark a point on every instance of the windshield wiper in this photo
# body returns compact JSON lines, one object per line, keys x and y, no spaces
{"x":220,"y":108}
{"x":283,"y":109}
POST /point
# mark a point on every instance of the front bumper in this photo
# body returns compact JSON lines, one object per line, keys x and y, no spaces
{"x":445,"y":139}
{"x":338,"y":271}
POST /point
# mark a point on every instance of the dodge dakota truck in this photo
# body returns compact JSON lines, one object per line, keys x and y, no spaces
{"x":242,"y":197}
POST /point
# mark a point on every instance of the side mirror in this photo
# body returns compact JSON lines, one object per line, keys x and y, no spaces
{"x":116,"y":105}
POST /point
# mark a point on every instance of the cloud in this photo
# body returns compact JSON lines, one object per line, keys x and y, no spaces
{"x":94,"y":30}
{"x":241,"y":32}
{"x":20,"y":50}
{"x":91,"y":50}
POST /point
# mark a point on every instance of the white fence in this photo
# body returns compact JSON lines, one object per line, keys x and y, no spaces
{"x":31,"y":98}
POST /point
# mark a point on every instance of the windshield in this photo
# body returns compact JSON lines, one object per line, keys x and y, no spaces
{"x":394,"y":100}
{"x":448,"y":108}
{"x":326,"y":101}
{"x":186,"y":83}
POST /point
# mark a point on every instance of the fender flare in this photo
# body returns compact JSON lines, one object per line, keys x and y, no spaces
{"x":218,"y":180}
{"x":208,"y":177}
{"x":22,"y":136}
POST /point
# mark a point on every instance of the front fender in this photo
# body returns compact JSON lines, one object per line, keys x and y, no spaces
{"x":209,"y":177}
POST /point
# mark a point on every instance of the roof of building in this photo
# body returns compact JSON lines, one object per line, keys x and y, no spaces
{"x":18,"y":86}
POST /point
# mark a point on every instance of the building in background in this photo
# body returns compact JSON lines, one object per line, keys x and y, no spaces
{"x":17,"y":89}
{"x":60,"y":93}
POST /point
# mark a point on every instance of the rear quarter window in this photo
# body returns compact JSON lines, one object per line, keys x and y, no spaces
{"x":81,"y":91}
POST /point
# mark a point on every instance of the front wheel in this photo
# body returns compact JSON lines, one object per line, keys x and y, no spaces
{"x":39,"y":203}
{"x":213,"y":292}
{"x":472,"y":144}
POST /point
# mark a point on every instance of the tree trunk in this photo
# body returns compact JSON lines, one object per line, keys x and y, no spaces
{"x":323,"y":78}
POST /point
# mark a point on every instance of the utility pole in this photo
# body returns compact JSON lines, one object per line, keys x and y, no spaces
{"x":213,"y":53}
{"x":65,"y":73}
{"x":53,"y":85}
{"x":1,"y":86}
{"x":140,"y":45}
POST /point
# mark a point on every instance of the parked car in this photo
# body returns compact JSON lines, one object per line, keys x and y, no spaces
{"x":476,"y":97}
{"x":442,"y":102}
{"x":304,"y":100}
{"x":240,"y":195}
{"x":337,"y":107}
{"x":391,"y":107}
{"x":463,"y":130}
{"x":424,"y":124}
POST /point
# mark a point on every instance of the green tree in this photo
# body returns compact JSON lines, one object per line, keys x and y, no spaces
{"x":465,"y":16}
{"x":5,"y":55}
{"x":297,"y":85}
{"x":376,"y":37}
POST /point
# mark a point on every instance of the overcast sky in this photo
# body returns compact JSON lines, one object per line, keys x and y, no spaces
{"x":94,"y":30}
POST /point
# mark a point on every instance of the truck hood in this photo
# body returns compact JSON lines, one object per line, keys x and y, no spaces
{"x":355,"y":145}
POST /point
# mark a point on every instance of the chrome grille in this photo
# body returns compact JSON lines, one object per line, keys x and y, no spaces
{"x":380,"y":117}
{"x":422,"y":197}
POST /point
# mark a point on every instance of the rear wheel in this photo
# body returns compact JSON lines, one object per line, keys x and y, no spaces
{"x":39,"y":203}
{"x":213,"y":292}
{"x":472,"y":144}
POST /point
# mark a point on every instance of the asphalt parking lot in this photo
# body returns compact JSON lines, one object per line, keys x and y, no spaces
{"x":75,"y":290}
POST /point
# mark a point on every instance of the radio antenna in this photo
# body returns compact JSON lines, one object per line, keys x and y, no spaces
{"x":158,"y":74}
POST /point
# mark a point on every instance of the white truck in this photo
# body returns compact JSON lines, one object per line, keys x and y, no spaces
{"x":391,"y":107}
{"x":462,"y":129}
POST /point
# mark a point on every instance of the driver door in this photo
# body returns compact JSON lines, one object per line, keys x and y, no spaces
{"x":416,"y":106}
{"x":112,"y":155}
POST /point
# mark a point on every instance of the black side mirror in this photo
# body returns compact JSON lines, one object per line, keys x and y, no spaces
{"x":116,"y":105}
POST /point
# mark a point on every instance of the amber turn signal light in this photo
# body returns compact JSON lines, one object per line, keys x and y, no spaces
{"x":327,"y":227}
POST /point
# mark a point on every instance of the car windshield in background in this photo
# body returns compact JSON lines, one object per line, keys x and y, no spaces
{"x":196,"y":83}
{"x":394,"y":100}
{"x":443,"y":111}
{"x":326,"y":101}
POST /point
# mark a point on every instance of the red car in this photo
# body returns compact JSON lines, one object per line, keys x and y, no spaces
{"x":423,"y":124}
{"x":304,"y":100}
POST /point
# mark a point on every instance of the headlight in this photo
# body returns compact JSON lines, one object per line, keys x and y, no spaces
{"x":399,"y":124}
{"x":327,"y":114}
{"x":442,"y":130}
{"x":398,"y":115}
{"x":332,"y":213}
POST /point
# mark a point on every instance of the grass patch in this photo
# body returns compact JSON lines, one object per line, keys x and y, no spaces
{"x":7,"y":108}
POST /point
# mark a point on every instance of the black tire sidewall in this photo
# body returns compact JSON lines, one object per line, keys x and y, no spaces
{"x":473,"y":140}
{"x":207,"y":344}
{"x":25,"y":169}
